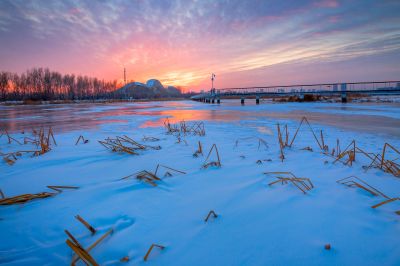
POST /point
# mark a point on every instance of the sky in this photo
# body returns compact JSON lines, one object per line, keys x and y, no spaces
{"x":181,"y":42}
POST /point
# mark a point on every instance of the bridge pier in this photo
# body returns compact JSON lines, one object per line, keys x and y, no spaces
{"x":242,"y":100}
{"x":257,"y":99}
{"x":213,"y":100}
{"x":218,"y":100}
{"x":344,"y":97}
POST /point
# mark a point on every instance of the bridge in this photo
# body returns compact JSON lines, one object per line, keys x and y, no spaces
{"x":328,"y":89}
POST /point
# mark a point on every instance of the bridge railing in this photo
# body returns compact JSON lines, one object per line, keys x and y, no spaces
{"x":304,"y":88}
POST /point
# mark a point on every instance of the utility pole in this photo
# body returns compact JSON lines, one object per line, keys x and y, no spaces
{"x":124,"y":75}
{"x":212,"y":83}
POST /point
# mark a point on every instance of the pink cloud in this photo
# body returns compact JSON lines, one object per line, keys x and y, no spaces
{"x":333,"y":19}
{"x":327,"y":3}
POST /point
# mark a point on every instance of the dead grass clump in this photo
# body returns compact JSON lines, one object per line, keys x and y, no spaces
{"x":125,"y":144}
{"x":353,"y":181}
{"x":303,"y":184}
{"x":216,"y":163}
{"x":43,"y":140}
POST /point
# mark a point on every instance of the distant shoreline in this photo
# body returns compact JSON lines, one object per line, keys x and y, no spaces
{"x":30,"y":102}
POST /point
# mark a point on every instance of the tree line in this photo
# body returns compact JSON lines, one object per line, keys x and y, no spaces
{"x":43,"y":84}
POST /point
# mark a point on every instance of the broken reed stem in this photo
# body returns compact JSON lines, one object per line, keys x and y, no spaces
{"x":209,"y":214}
{"x":384,"y":202}
{"x":87,"y":250}
{"x":166,"y":167}
{"x":390,"y":165}
{"x":281,"y":145}
{"x":349,"y":182}
{"x":80,"y":138}
{"x":287,"y":135}
{"x":150,"y":249}
{"x":81,"y":253}
{"x":86,"y":224}
{"x":312,"y":131}
{"x":217,"y":163}
{"x":10,"y":139}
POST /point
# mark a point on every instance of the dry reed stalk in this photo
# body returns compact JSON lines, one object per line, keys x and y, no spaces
{"x":92,"y":246}
{"x":390,"y":166}
{"x":159,"y":166}
{"x":86,"y":224}
{"x":152,"y":139}
{"x":145,"y":176}
{"x":195,"y":128}
{"x":125,"y":144}
{"x":350,"y":151}
{"x":286,"y":135}
{"x":304,"y":119}
{"x":28,"y":197}
{"x":217,"y":163}
{"x":281,"y":144}
{"x":260,"y":142}
{"x":82,"y":253}
{"x":60,"y":189}
{"x":209,"y":214}
{"x":199,"y":150}
{"x":150,"y":249}
{"x":20,"y":199}
{"x":30,"y":140}
{"x":8,"y":160}
{"x":84,"y":141}
{"x":384,"y":202}
{"x":11,"y":139}
{"x":350,"y":182}
{"x":307,"y":149}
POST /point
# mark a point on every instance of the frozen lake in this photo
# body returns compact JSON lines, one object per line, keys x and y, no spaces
{"x":382,"y":118}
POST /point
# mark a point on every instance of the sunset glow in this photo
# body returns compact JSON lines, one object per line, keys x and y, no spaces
{"x":246,"y":43}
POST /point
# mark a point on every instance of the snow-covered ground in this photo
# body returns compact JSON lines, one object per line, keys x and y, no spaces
{"x":257,"y":224}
